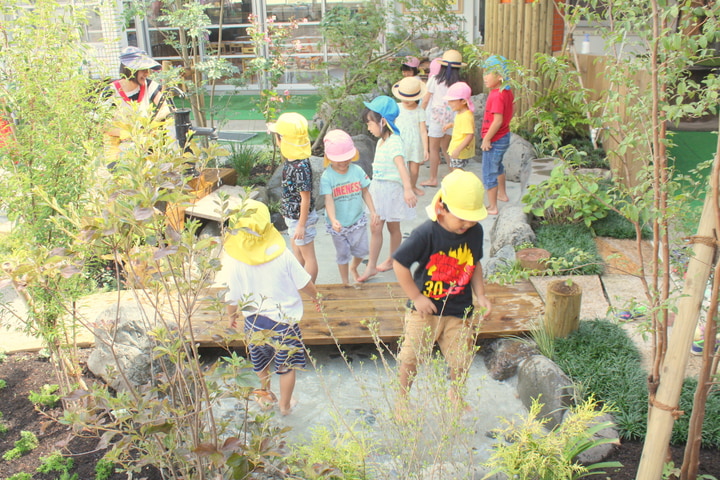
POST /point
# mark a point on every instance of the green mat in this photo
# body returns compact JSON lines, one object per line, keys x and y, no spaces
{"x":690,"y":150}
{"x":242,"y":107}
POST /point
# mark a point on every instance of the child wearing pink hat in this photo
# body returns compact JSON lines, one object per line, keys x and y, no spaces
{"x":410,"y":67}
{"x":462,"y":142}
{"x":345,"y":186}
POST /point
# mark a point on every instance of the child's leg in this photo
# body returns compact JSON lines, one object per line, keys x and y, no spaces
{"x":344,"y":273}
{"x":376,"y":241}
{"x":414,"y":172}
{"x":434,"y":157}
{"x":356,"y":261}
{"x":444,"y":145}
{"x":502,"y":192}
{"x":395,"y":239}
{"x":309,"y":260}
{"x":264,"y":376}
{"x":287,"y":385}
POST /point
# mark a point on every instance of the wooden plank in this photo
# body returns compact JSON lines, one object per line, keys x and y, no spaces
{"x":349,"y":311}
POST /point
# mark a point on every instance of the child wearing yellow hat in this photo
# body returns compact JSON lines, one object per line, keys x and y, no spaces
{"x":447,"y":250}
{"x":265,"y":280}
{"x":298,"y":203}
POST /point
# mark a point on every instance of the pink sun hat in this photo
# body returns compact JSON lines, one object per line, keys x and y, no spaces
{"x":411,"y":61}
{"x":339,"y":147}
{"x":460,"y":91}
{"x":435,"y":66}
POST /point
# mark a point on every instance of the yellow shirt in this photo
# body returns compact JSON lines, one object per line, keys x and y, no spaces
{"x":464,"y":124}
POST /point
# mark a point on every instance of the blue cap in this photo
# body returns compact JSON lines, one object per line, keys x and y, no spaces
{"x":388,"y":109}
{"x":498,"y":64}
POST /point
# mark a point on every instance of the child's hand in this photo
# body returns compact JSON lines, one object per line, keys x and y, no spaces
{"x":426,"y":156}
{"x":486,"y":145}
{"x":374,"y":219}
{"x":447,"y":127}
{"x":424,"y":305}
{"x":484,"y":305}
{"x":299,"y":233}
{"x":317,"y":301}
{"x":410,"y":198}
{"x":337,"y":226}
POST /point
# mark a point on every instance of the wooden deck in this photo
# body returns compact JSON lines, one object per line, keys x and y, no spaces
{"x":349,"y":311}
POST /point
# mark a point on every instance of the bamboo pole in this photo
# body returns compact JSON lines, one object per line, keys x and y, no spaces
{"x":664,"y":405}
{"x":562,"y":308}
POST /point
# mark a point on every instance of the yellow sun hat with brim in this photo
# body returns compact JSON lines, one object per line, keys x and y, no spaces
{"x":252,"y":238}
{"x":293,"y":130}
{"x":463,"y":194}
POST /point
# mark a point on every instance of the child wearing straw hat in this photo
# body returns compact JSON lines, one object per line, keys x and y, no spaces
{"x":411,"y":122}
{"x":345,"y":186}
{"x":439,"y":112}
{"x":264,"y":280}
{"x":390,"y":188}
{"x":447,"y":250}
{"x":298,"y":203}
{"x":462,"y":143}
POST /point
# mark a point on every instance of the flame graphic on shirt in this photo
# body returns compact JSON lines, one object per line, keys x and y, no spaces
{"x":450,"y":272}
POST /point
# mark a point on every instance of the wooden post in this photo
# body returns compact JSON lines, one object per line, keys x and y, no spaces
{"x":562,"y":307}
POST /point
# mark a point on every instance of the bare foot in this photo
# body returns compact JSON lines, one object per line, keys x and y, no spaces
{"x":492,"y":211}
{"x":418,"y":191}
{"x":503,"y":198}
{"x":429,"y":183}
{"x":265,"y":399}
{"x":367,"y":274}
{"x":387,"y":265}
{"x":289,"y":409}
{"x":355,"y":274}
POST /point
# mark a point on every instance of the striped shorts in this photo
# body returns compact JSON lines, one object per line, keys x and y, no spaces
{"x":284,"y":347}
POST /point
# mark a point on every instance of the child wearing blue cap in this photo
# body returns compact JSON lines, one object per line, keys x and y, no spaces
{"x":496,"y":130}
{"x":390,"y":188}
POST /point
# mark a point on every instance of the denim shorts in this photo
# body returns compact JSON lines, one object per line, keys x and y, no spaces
{"x":492,"y":166}
{"x":310,"y":230}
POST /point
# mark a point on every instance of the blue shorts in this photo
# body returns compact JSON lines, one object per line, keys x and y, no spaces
{"x":285,"y":347}
{"x":351,"y":241}
{"x":492,"y":166}
{"x":310,"y":230}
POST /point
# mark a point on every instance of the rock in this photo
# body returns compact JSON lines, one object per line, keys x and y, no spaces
{"x":510,"y":228}
{"x":504,"y":355}
{"x":541,"y":378}
{"x":518,"y":161}
{"x":123,"y":329}
{"x":274,"y":185}
{"x":366,"y":148}
{"x":450,"y":470}
{"x":260,"y":194}
{"x":599,"y":452}
{"x":503,"y":257}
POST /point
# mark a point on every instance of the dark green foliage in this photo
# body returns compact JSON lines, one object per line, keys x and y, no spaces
{"x":559,"y":239}
{"x":711,"y":425}
{"x":593,"y":158}
{"x":605,"y":361}
{"x":616,"y":226}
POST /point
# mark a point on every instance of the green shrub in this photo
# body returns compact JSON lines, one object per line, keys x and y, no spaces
{"x":27,"y":443}
{"x":104,"y":469}
{"x":566,"y":241}
{"x":711,"y":425}
{"x":588,"y":156}
{"x":567,"y":198}
{"x":55,"y":462}
{"x":3,"y":383}
{"x":20,"y":476}
{"x":243,"y":158}
{"x":616,"y":226}
{"x":46,"y":396}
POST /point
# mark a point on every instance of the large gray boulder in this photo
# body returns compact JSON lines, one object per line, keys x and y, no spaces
{"x":510,"y":228}
{"x":274,"y":186}
{"x":504,"y":257}
{"x":366,"y":149}
{"x":518,"y":161}
{"x":503,"y":356}
{"x":122,"y":344}
{"x":541,"y":378}
{"x":599,"y":452}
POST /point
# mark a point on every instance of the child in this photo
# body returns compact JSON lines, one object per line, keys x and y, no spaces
{"x":462,"y":143}
{"x":266,"y":279}
{"x":410,"y":67}
{"x":448,"y":249}
{"x":345,"y":186}
{"x":411,"y":122}
{"x":390,"y":187}
{"x":298,"y":203}
{"x":496,"y":130}
{"x":439,"y":113}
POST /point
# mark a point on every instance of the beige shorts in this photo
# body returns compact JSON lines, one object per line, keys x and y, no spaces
{"x":455,"y":336}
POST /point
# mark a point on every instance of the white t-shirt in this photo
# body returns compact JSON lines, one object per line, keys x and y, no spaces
{"x":269,"y":289}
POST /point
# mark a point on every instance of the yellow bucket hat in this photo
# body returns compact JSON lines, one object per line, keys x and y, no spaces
{"x":464,"y":195}
{"x":253,"y":239}
{"x":295,"y":141}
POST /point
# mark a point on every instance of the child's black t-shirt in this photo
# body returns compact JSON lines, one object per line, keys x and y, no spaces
{"x":446,"y":264}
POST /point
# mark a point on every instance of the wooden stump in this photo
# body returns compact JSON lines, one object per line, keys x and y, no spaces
{"x":562,"y":307}
{"x":533,"y":258}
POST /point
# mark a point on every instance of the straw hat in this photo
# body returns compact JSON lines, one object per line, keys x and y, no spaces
{"x":463,"y":194}
{"x":136,"y":59}
{"x":409,"y":89}
{"x":253,"y":239}
{"x":452,"y":58}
